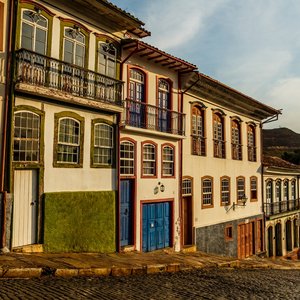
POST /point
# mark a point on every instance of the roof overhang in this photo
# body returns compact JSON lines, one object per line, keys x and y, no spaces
{"x":212,"y":90}
{"x":153,"y":54}
{"x":104,"y":12}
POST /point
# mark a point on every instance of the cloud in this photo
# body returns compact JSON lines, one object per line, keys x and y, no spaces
{"x":286,"y":95}
{"x":175,"y":23}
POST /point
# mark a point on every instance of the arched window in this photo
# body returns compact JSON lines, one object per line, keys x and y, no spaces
{"x":74,"y":46}
{"x":293,"y":190}
{"x":187,"y":187}
{"x":198,"y":140}
{"x":164,"y":104}
{"x":103,"y":145}
{"x":168,"y":161}
{"x":240,"y":188}
{"x":149,"y":160}
{"x":34,"y":31}
{"x":286,"y":190}
{"x":207,"y":192}
{"x":136,"y":94}
{"x":269,"y":191}
{"x":251,"y":142}
{"x":26,"y":137}
{"x":236,"y":139}
{"x":218,"y":131}
{"x":127,"y":156}
{"x":253,"y":188}
{"x":68,"y":141}
{"x":278,"y":190}
{"x":225,"y":190}
{"x":107,"y":59}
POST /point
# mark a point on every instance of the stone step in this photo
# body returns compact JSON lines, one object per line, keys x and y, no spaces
{"x":35,"y":248}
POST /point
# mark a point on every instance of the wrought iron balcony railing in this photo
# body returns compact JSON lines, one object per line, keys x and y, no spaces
{"x":198,"y":145}
{"x":142,"y":115}
{"x":251,"y":153}
{"x":43,"y":71}
{"x":236,"y":150}
{"x":281,"y":206}
{"x":219,"y":149}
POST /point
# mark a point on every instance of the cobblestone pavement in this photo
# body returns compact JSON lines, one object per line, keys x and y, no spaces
{"x":200,"y":284}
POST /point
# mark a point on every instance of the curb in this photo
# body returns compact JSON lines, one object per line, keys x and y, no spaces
{"x":132,"y":270}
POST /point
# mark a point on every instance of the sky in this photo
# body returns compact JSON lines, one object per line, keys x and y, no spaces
{"x":251,"y":45}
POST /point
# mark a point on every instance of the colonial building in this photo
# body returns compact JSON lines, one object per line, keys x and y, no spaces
{"x":281,"y":206}
{"x":222,"y":169}
{"x":65,"y":102}
{"x":153,"y":127}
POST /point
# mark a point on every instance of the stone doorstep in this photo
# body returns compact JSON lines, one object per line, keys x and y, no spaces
{"x":35,"y":248}
{"x":189,"y":249}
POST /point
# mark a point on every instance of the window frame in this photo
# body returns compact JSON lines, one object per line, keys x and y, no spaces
{"x":293,"y":189}
{"x":228,"y":232}
{"x":251,"y":147}
{"x":1,"y":26}
{"x":211,"y":193}
{"x":222,"y":203}
{"x":286,"y":190}
{"x":96,"y":123}
{"x":173,"y":162}
{"x":151,"y":161}
{"x":236,"y":139}
{"x":269,"y":191}
{"x":198,"y":137}
{"x":41,"y":114}
{"x":142,"y":83}
{"x":107,"y":56}
{"x":219,"y":130}
{"x":191,"y":180}
{"x":238,"y":190}
{"x":133,"y":160}
{"x":80,"y":120}
{"x":278,"y":190}
{"x":252,"y":198}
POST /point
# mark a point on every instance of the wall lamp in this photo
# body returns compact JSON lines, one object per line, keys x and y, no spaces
{"x":159,"y":187}
{"x":241,"y":202}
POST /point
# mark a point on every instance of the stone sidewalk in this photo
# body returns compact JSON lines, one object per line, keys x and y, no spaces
{"x":17,"y":265}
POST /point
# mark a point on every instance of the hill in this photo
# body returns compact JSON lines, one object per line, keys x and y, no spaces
{"x":283,"y":143}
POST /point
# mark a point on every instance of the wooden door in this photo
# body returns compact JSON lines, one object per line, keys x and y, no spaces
{"x":187,"y":216}
{"x":25,"y":207}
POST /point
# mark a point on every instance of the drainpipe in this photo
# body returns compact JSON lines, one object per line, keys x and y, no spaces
{"x":8,"y":86}
{"x":181,"y":106}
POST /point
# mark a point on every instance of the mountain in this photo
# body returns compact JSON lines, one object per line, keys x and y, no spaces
{"x":283,"y":143}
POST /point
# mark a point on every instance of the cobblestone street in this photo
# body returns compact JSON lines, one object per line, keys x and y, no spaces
{"x":200,"y":284}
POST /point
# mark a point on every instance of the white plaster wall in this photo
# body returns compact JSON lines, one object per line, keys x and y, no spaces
{"x":71,"y":179}
{"x":145,"y":186}
{"x":199,"y":166}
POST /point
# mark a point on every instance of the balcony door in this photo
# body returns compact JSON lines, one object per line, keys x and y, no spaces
{"x":164,"y":105}
{"x":137,"y":113}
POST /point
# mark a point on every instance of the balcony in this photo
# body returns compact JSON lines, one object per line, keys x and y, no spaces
{"x":251,"y":153}
{"x":281,"y":207}
{"x":198,"y":145}
{"x":145,"y":116}
{"x":219,"y":148}
{"x":55,"y":79}
{"x":236,"y":150}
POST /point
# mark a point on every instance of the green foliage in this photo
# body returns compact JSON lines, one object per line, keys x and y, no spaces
{"x":80,"y":222}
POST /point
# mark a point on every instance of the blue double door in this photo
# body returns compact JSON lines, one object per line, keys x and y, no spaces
{"x":156,"y":226}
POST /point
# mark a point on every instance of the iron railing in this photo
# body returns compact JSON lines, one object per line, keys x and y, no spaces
{"x":236,"y":151}
{"x":251,"y":153}
{"x":198,"y":145}
{"x":40,"y":70}
{"x":281,"y":206}
{"x":219,"y":149}
{"x":142,"y":115}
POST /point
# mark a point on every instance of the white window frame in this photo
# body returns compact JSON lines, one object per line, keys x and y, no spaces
{"x":168,"y":162}
{"x":127,"y":157}
{"x":149,"y":160}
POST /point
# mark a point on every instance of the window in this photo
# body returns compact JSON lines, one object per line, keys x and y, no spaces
{"x":286,"y":190}
{"x":251,"y":143}
{"x":236,"y":139}
{"x":219,"y":141}
{"x":34,"y":31}
{"x":253,"y":189}
{"x":149,"y":160}
{"x":293,"y":190}
{"x":207,"y":192}
{"x":225,"y":191}
{"x":127,"y":157}
{"x":136,"y":95}
{"x":164,"y":104}
{"x":269,"y":191}
{"x":103,"y":145}
{"x":278,"y":190}
{"x":107,"y":59}
{"x":74,"y":46}
{"x":198,"y":140}
{"x":68,"y":140}
{"x":229,"y":232}
{"x":26,"y":137}
{"x":168,"y":161}
{"x":240,"y":188}
{"x":187,"y":187}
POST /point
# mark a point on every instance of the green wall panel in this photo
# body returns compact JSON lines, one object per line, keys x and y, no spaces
{"x":80,"y":222}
